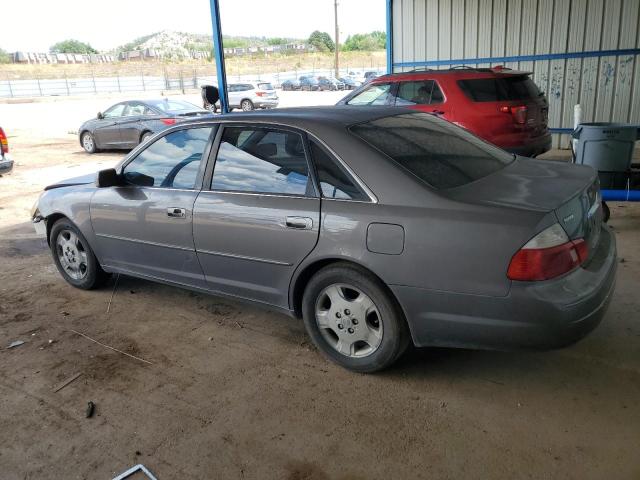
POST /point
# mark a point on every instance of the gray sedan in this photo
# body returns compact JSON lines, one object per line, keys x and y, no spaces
{"x":127,"y":124}
{"x":381,"y":228}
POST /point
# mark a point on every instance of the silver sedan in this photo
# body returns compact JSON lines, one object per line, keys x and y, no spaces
{"x":379,"y":227}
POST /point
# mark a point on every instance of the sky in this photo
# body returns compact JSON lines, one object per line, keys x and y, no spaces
{"x":35,"y":25}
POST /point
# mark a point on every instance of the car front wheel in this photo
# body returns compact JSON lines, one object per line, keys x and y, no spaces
{"x":74,"y":258}
{"x":89,"y":142}
{"x":353,"y":320}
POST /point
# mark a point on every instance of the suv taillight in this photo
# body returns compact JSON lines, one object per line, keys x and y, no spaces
{"x":4,"y":143}
{"x":519,"y":113}
{"x":547,"y":255}
{"x":261,"y":94}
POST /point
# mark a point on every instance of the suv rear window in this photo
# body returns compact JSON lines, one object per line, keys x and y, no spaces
{"x":434,"y":150}
{"x":265,"y":86}
{"x":516,"y":87}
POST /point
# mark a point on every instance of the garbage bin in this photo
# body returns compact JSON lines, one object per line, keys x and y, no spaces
{"x":607,"y":147}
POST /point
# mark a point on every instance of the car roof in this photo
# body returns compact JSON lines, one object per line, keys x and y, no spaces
{"x":310,"y":117}
{"x":457,"y":73}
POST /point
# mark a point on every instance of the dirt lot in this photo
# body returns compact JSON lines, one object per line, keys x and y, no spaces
{"x":235,"y":392}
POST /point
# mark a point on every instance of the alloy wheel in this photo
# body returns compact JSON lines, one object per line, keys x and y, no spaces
{"x":72,"y":254}
{"x":349,"y":320}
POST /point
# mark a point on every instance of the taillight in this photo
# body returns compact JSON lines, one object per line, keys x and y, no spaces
{"x":519,"y":113}
{"x":4,"y":143}
{"x":168,"y":121}
{"x":261,"y":94}
{"x":547,"y":255}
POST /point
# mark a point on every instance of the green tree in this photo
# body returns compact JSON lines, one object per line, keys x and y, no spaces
{"x":4,"y":56}
{"x":366,"y":41}
{"x":322,"y":41}
{"x":72,"y":46}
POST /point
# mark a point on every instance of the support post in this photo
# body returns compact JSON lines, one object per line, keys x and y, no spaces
{"x":389,"y":36}
{"x":219,"y":56}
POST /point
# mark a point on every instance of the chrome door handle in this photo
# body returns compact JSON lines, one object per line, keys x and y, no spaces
{"x":176,"y":212}
{"x":301,"y":223}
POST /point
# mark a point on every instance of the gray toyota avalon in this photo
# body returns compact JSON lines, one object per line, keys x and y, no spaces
{"x":379,"y":227}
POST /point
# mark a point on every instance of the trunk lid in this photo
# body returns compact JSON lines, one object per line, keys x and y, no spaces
{"x":571,"y":192}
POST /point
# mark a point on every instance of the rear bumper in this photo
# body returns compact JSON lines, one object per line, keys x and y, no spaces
{"x":267,"y":103}
{"x":534,"y":315}
{"x":531,"y":148}
{"x":6,"y":166}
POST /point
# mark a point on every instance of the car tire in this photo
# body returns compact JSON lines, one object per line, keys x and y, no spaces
{"x":74,"y":257}
{"x":606,"y":212}
{"x":333,"y":300}
{"x":246,"y":105}
{"x":88,"y":142}
{"x":145,"y":136}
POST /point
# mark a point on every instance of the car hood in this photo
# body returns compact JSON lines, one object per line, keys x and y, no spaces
{"x":541,"y":185}
{"x":70,"y":182}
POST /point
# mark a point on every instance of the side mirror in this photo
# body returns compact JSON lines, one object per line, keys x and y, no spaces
{"x":100,"y":116}
{"x":108,"y":178}
{"x":139,"y":179}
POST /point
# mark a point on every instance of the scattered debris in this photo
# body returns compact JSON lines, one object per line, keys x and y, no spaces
{"x":622,"y":260}
{"x":66,"y":382}
{"x":239,"y":326}
{"x":211,"y":339}
{"x":132,"y":470}
{"x":51,"y":341}
{"x":115,"y":286}
{"x":110,"y":347}
{"x":91,"y":407}
{"x":15,"y":343}
{"x":443,"y":404}
{"x":64,"y":314}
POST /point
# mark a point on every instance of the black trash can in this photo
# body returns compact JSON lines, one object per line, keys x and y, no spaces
{"x":607,"y":147}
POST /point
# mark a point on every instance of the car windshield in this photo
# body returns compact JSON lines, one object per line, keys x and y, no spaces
{"x":513,"y":87}
{"x":265,"y":86}
{"x":434,"y":150}
{"x":173,"y":106}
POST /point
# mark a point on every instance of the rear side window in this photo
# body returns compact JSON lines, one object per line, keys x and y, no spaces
{"x":265,"y":86}
{"x":379,"y":94}
{"x":434,"y":150}
{"x":506,"y":88}
{"x":258,"y":160}
{"x":424,"y":92}
{"x":334,"y":181}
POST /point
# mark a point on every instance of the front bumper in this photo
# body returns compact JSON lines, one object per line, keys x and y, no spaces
{"x":534,"y":315}
{"x":6,"y":165}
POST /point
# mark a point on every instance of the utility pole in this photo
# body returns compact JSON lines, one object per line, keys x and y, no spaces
{"x":335,"y":5}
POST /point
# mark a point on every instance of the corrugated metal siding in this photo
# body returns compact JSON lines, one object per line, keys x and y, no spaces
{"x":607,"y":87}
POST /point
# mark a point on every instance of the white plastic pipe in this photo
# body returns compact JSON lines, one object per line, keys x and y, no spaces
{"x":577,"y":120}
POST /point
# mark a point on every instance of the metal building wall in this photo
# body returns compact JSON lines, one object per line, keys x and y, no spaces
{"x":581,"y":51}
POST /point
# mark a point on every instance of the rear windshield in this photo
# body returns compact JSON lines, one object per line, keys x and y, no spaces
{"x":434,"y":150}
{"x":171,"y":106}
{"x":265,"y":86}
{"x":500,"y":89}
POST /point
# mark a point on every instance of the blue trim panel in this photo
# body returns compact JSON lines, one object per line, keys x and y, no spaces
{"x":561,"y":130}
{"x":221,"y":73}
{"x":518,"y":58}
{"x":390,"y":36}
{"x":621,"y":195}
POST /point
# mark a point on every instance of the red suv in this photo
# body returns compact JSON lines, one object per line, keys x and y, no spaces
{"x":500,"y":105}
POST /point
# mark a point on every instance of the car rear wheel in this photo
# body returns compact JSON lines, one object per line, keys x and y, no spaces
{"x":146,"y":136}
{"x":88,"y":142}
{"x":246,"y":105}
{"x":74,"y":258}
{"x":353,"y":320}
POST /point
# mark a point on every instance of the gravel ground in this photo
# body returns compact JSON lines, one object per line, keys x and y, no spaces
{"x":232,"y":391}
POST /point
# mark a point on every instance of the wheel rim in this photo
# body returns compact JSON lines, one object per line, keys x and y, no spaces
{"x":349,"y":320}
{"x":87,"y":141}
{"x":246,"y":106}
{"x":72,"y":254}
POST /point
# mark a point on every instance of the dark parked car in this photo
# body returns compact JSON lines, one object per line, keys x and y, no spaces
{"x":379,"y":226}
{"x":503,"y":106}
{"x":127,"y":124}
{"x":325,"y":83}
{"x":290,"y":85}
{"x":350,"y":83}
{"x":370,"y":75}
{"x":309,"y":83}
{"x":6,"y":164}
